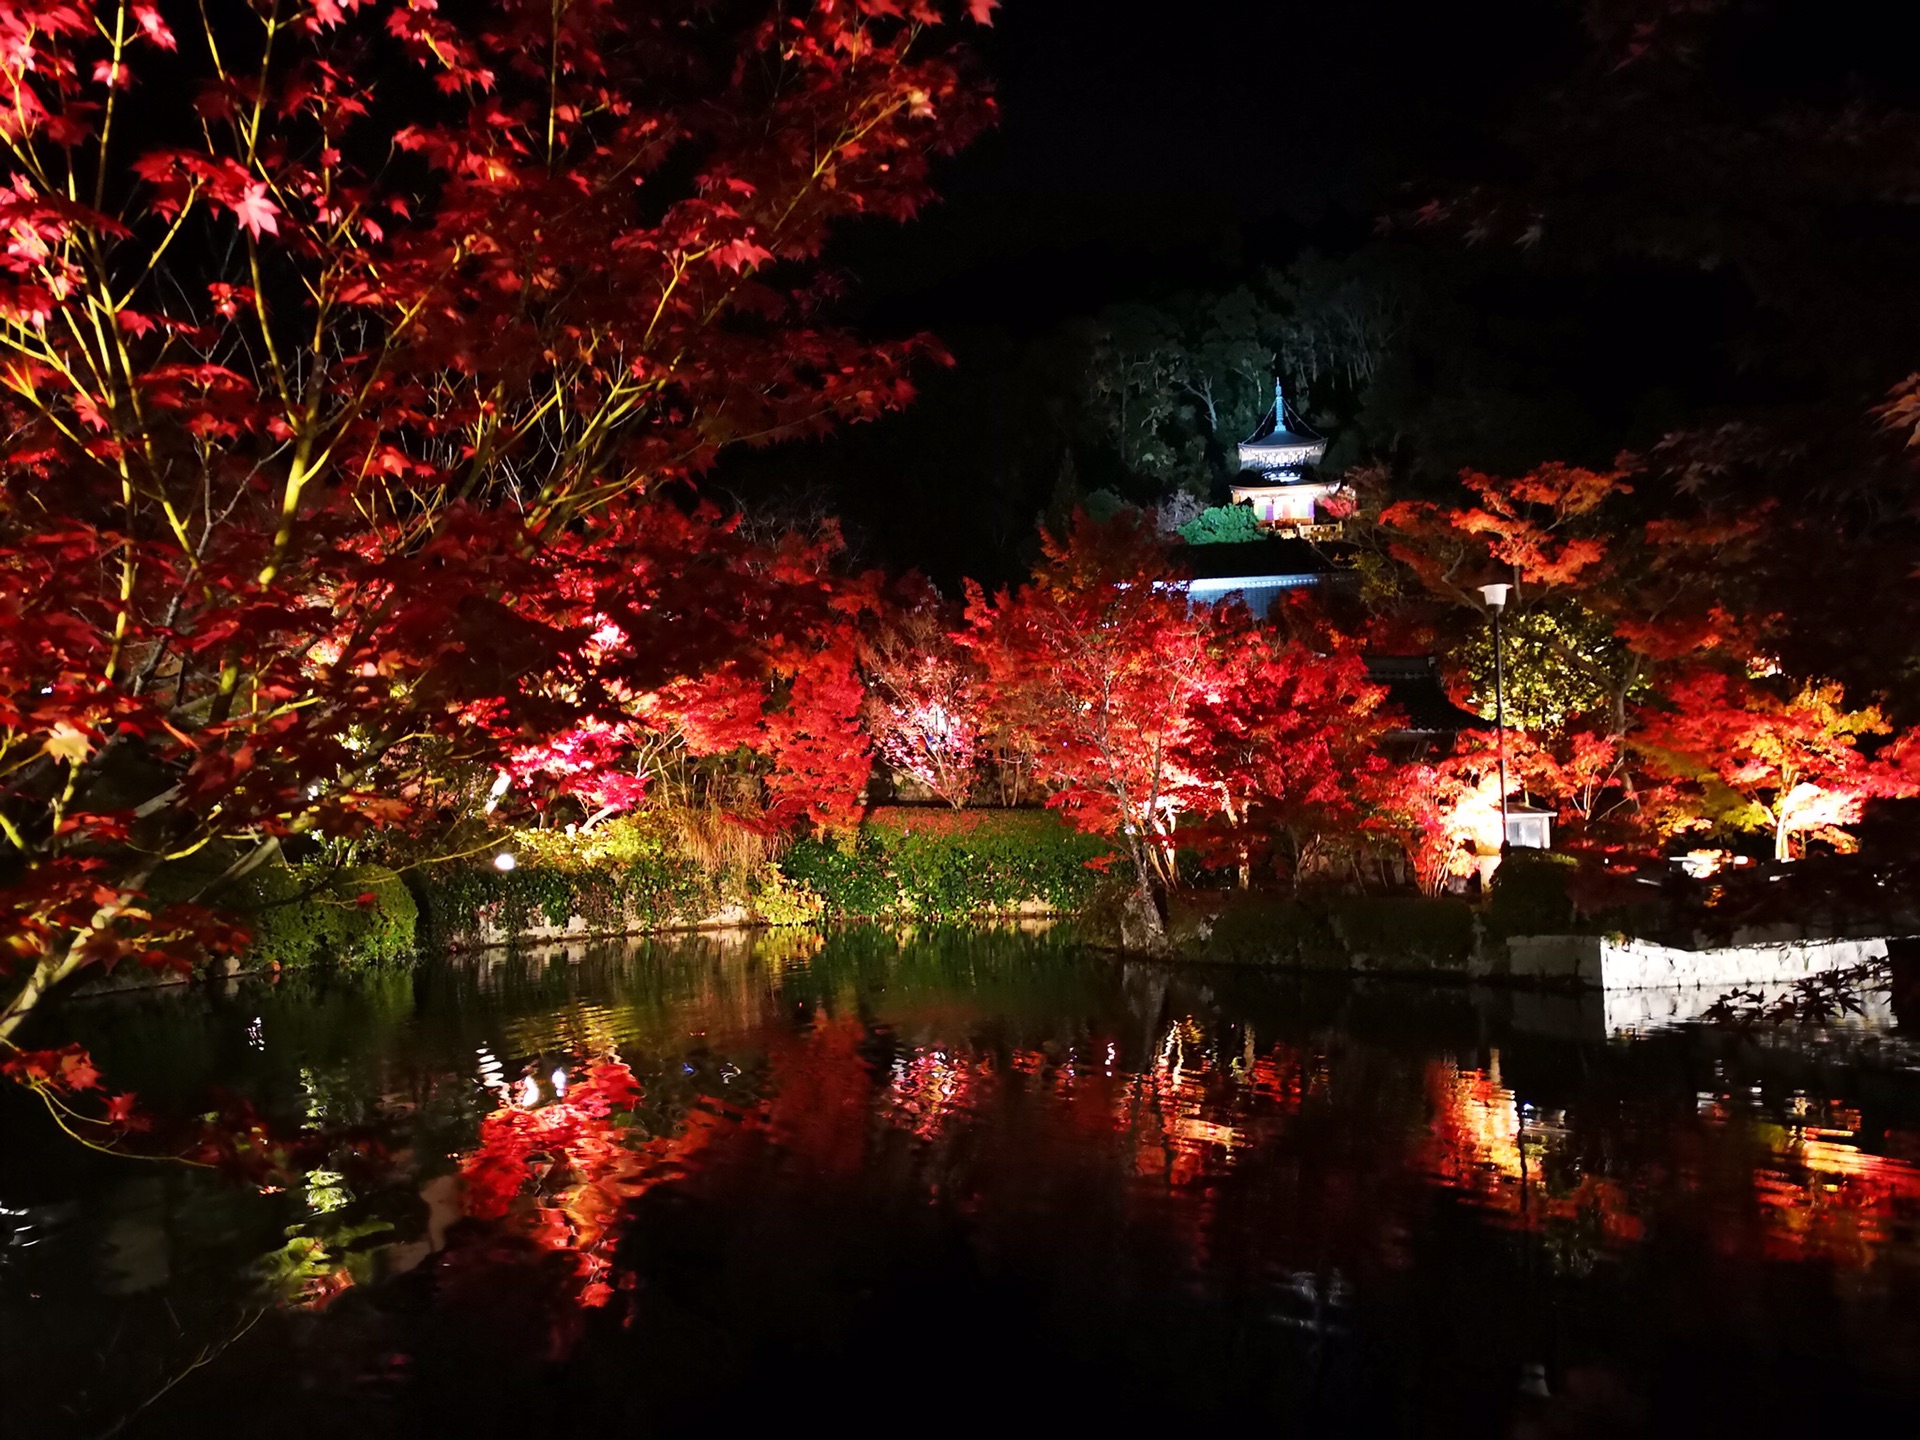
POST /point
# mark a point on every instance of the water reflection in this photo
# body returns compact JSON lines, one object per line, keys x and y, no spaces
{"x":656,"y":1186}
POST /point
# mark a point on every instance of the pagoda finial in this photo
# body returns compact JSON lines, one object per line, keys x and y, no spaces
{"x":1279,"y":403}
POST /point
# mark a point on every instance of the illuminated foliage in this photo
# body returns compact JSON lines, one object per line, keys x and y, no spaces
{"x":1093,"y":667}
{"x":1742,"y":757}
{"x":1604,"y":596}
{"x":1142,"y":710}
{"x":1445,"y":811}
{"x":1555,"y":656}
{"x":327,"y":424}
{"x":1222,"y":525}
{"x":923,"y":703}
{"x":1283,"y":741}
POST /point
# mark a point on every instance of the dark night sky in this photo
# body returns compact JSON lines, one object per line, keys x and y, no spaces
{"x":1207,"y":134}
{"x":1141,"y":145}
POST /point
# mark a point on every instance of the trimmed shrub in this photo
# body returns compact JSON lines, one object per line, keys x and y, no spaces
{"x":635,"y":875}
{"x":1404,"y":932}
{"x":948,"y":863}
{"x":1382,"y":933}
{"x":1530,"y":897}
{"x":1265,"y":930}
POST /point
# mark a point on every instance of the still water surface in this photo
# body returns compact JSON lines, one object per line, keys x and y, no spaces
{"x":959,"y":1181}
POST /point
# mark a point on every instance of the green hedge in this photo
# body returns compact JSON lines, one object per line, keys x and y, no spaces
{"x":654,"y":886}
{"x":1529,"y":896}
{"x":933,"y":862}
{"x":361,"y":915}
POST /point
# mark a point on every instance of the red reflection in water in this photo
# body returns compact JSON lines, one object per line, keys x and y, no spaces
{"x":556,"y":1175}
{"x":928,"y":1091}
{"x":1827,"y":1198}
{"x":1815,"y":1193}
{"x":553,"y":1178}
{"x":1528,"y":1175}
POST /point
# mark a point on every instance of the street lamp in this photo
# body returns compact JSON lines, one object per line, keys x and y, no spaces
{"x":1495,"y":593}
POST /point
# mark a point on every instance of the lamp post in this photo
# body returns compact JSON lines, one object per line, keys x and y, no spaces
{"x":1495,"y":593}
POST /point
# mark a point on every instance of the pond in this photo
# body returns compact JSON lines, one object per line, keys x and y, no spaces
{"x":951,"y":1180}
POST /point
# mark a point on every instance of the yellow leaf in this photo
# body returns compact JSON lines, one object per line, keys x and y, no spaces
{"x":68,"y":743}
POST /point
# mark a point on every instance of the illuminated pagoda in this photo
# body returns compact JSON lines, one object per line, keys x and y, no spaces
{"x":1273,"y":478}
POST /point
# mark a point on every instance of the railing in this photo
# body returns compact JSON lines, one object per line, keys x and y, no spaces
{"x":1293,"y":530}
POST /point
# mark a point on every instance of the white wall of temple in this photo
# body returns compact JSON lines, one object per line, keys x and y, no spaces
{"x":1290,"y":504}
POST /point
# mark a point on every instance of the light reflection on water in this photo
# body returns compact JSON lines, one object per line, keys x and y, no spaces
{"x":654,"y":1187}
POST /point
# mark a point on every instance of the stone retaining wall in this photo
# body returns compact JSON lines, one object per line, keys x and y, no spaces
{"x":1605,"y":963}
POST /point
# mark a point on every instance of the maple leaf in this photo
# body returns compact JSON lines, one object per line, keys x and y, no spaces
{"x":77,"y":1072}
{"x":741,"y":254}
{"x":153,"y":27}
{"x":255,"y":212}
{"x":982,"y":10}
{"x":67,"y":743}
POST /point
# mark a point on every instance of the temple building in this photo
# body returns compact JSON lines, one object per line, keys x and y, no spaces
{"x":1273,"y":478}
{"x":1290,"y":507}
{"x":1258,"y":571}
{"x":1293,"y":510}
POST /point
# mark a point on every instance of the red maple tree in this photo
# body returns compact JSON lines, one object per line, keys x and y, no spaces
{"x":1282,"y":743}
{"x":1737,"y":754}
{"x":1627,"y":586}
{"x":324,"y":429}
{"x":923,"y":705}
{"x":1093,"y":667}
{"x":1165,"y":722}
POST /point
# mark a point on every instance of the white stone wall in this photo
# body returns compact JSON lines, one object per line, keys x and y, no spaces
{"x":1604,"y":963}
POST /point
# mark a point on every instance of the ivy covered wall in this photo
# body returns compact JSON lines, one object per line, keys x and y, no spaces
{"x":903,"y":861}
{"x":909,"y":861}
{"x":361,"y":915}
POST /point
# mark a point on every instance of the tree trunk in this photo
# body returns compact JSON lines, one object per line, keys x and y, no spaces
{"x":1141,"y":925}
{"x":58,"y":966}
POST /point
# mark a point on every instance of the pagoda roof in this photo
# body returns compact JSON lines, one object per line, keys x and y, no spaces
{"x":1281,"y":438}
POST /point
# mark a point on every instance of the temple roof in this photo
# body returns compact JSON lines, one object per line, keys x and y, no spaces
{"x":1282,"y":440}
{"x":1414,"y":689}
{"x":1253,"y":558}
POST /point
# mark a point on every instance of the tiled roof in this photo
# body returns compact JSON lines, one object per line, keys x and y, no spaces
{"x":1414,"y":689}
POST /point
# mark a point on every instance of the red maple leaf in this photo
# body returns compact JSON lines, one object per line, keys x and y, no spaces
{"x":76,"y":1070}
{"x":255,"y":212}
{"x":153,"y":27}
